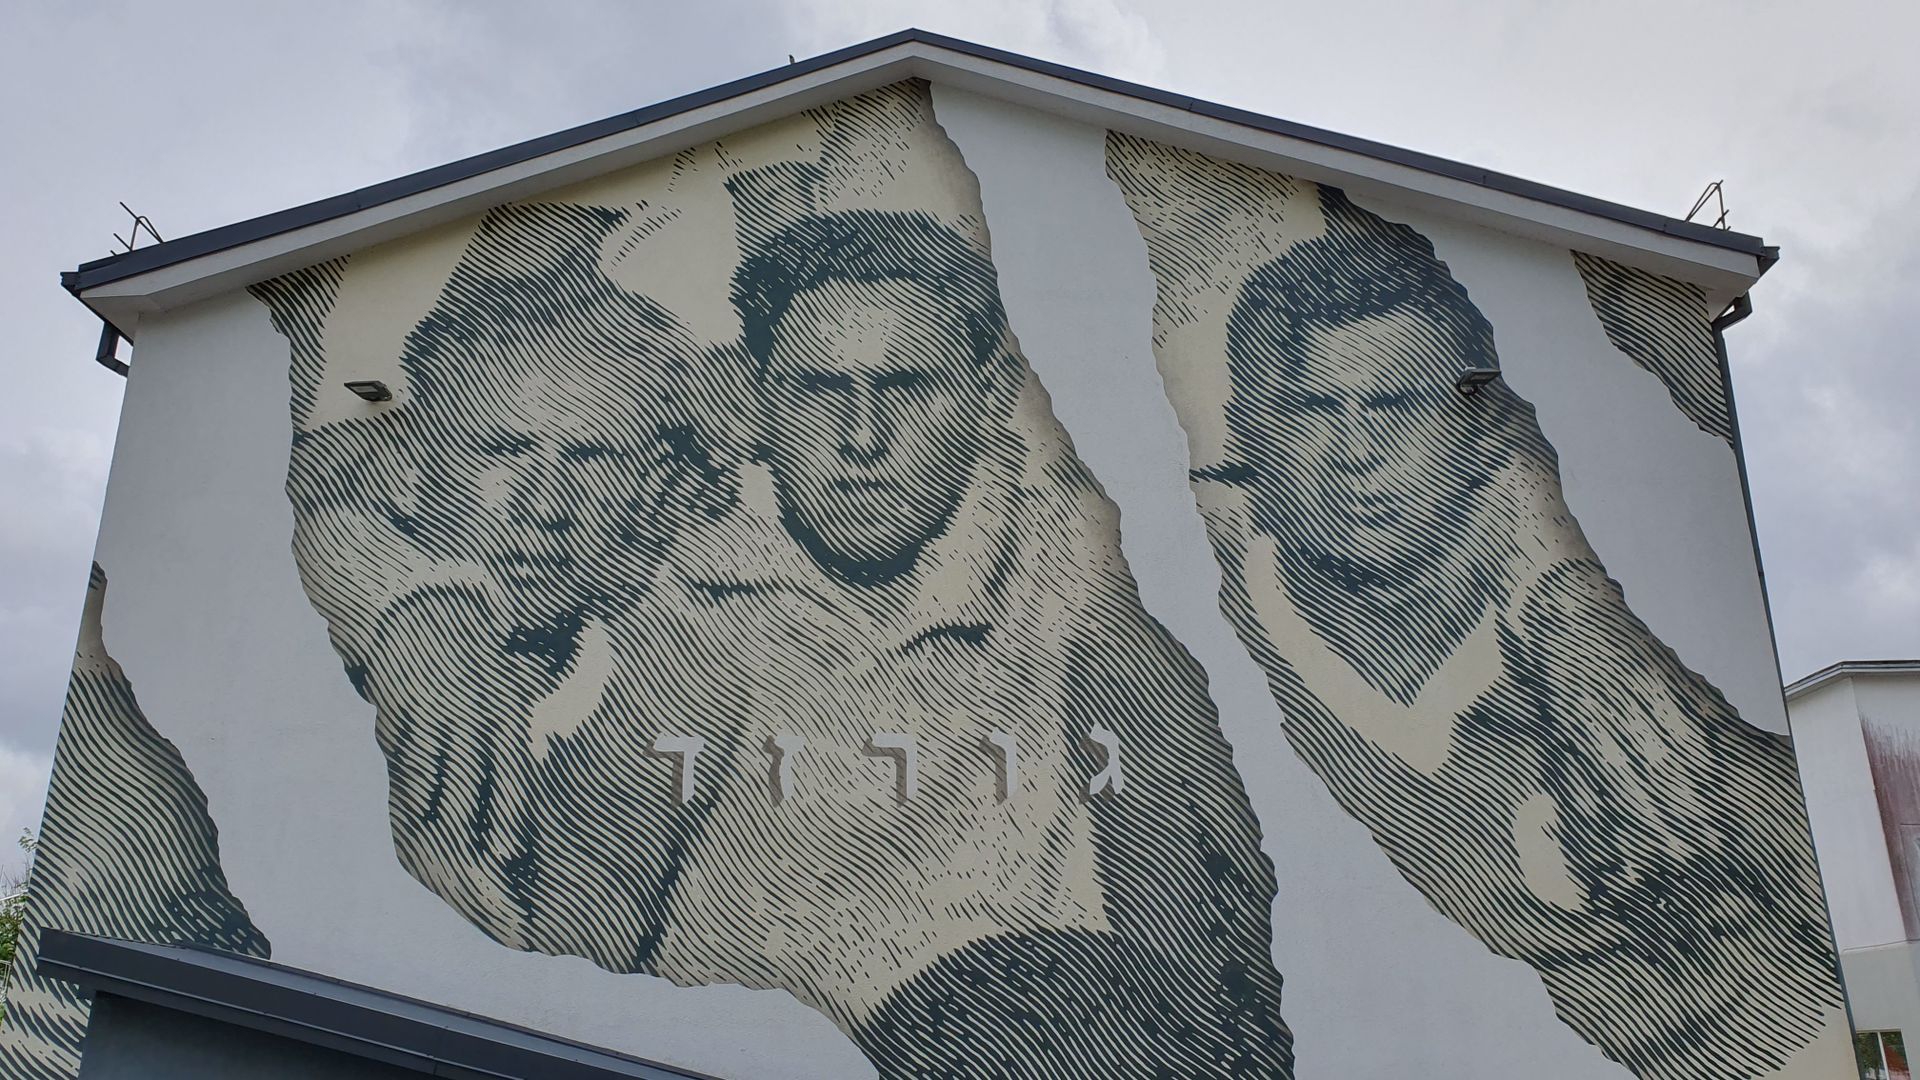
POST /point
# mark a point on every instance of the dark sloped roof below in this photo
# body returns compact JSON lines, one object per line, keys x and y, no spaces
{"x":325,"y":1012}
{"x":128,"y":264}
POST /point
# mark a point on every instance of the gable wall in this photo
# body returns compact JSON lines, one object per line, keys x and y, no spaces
{"x":271,"y":541}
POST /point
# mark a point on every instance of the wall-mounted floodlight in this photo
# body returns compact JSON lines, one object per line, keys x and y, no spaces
{"x":370,"y":390}
{"x":1472,"y":380}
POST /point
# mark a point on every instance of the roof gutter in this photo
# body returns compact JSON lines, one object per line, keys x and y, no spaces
{"x":315,"y":1009}
{"x":131,"y":264}
{"x":1742,"y":305}
{"x":1850,"y":669}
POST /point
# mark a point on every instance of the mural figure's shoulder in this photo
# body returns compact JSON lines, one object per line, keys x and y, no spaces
{"x":1077,"y":1005}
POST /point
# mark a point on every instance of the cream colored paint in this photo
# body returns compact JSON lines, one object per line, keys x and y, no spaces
{"x":680,"y":244}
{"x":384,"y":291}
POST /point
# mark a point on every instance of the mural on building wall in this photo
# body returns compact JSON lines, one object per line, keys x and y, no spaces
{"x":1450,"y":655}
{"x":1665,"y":327}
{"x":735,"y":611}
{"x":127,"y":850}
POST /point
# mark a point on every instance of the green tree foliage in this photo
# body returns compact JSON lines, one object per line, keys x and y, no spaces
{"x":13,"y":911}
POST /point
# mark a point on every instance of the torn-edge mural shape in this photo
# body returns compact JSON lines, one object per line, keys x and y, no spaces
{"x":127,"y":850}
{"x":1449,"y":653}
{"x":1665,"y":327}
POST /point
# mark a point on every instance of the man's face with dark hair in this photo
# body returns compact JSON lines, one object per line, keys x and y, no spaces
{"x":1365,"y":449}
{"x":875,"y":405}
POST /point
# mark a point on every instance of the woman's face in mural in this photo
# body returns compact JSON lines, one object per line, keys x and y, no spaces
{"x":874,"y":409}
{"x":1365,"y":446}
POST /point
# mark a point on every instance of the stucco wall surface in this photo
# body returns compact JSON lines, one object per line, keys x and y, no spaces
{"x":927,"y":587}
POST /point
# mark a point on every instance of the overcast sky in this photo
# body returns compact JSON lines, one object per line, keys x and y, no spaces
{"x":198,"y":114}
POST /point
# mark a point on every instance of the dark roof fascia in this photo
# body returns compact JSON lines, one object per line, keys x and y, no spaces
{"x":119,"y":267}
{"x":131,"y":263}
{"x":326,"y":1012}
{"x":1487,"y":178}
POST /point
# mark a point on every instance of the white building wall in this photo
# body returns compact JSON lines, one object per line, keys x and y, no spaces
{"x":1889,"y":703}
{"x":1831,"y":726}
{"x":231,"y":663}
{"x":1845,"y":818}
{"x":1070,"y":256}
{"x":1659,"y":499}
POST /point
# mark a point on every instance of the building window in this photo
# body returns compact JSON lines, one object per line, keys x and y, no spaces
{"x":1882,"y":1056}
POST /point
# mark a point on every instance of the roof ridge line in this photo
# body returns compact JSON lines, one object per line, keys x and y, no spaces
{"x":130,"y":264}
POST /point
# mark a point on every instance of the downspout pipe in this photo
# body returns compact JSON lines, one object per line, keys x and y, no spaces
{"x":1740,"y":309}
{"x":105,"y":353}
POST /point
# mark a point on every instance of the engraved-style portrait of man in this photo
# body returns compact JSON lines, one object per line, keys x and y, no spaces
{"x":917,"y":556}
{"x":775,"y":636}
{"x":551,"y":464}
{"x":1455,"y":663}
{"x":878,"y":345}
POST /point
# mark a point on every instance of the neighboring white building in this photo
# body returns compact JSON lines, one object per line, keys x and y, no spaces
{"x":1856,"y":725}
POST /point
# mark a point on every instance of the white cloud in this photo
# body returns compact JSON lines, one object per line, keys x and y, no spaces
{"x":54,"y":478}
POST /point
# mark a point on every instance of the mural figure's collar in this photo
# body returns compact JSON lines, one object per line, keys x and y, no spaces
{"x":958,"y":584}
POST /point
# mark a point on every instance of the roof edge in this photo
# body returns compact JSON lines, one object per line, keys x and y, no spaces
{"x":1743,"y":243}
{"x":324,"y":1011}
{"x":128,"y":264}
{"x":125,"y":265}
{"x":1848,"y":669}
